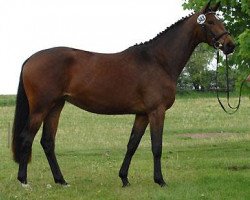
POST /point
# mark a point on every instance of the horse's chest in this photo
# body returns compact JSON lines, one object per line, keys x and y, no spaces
{"x":159,"y":95}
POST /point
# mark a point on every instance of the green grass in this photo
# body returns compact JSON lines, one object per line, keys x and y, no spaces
{"x":7,"y":100}
{"x":206,"y":155}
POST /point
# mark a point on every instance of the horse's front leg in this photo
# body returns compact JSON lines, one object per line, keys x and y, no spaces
{"x":140,"y":124}
{"x":156,"y":121}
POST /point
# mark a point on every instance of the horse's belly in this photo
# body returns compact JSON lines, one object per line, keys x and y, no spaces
{"x":107,"y":105}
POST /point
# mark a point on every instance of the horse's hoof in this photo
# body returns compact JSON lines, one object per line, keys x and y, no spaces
{"x":66,"y":185}
{"x":163,"y":185}
{"x":61,"y":182}
{"x":127,"y":184}
{"x":26,"y":186}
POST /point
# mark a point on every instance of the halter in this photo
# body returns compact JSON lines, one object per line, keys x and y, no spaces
{"x":215,"y":38}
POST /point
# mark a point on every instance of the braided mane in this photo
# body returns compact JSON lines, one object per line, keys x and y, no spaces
{"x":165,"y":31}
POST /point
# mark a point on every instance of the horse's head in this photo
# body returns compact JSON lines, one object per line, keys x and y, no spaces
{"x":212,"y":30}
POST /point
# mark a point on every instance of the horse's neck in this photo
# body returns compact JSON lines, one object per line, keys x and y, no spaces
{"x":173,"y":49}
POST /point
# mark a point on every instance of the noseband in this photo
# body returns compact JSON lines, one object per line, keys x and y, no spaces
{"x":215,"y":38}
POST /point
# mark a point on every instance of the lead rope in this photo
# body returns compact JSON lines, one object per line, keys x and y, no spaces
{"x":233,"y":109}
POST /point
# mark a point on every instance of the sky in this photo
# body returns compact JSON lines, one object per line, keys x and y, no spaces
{"x":108,"y":26}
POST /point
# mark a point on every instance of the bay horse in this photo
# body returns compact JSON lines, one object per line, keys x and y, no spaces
{"x":140,"y":80}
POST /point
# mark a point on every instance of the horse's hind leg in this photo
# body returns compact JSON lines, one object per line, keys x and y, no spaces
{"x":138,"y":130}
{"x":48,"y":141}
{"x":156,"y":120}
{"x":28,"y":134}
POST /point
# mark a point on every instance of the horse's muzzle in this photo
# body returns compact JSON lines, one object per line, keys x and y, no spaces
{"x":228,"y":48}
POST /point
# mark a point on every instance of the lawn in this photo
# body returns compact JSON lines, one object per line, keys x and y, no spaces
{"x":206,"y":155}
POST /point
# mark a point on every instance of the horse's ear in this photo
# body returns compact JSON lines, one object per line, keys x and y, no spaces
{"x":216,"y":7}
{"x":206,"y":8}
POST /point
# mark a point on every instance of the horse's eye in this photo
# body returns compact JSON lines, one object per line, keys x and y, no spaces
{"x":210,"y":22}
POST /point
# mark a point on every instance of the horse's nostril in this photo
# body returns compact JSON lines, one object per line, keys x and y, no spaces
{"x":232,"y":46}
{"x":229,"y":48}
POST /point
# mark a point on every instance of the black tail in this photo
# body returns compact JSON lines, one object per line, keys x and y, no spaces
{"x":20,"y":120}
